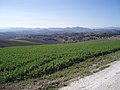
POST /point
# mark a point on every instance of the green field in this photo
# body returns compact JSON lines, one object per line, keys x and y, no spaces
{"x":23,"y":62}
{"x":18,"y":40}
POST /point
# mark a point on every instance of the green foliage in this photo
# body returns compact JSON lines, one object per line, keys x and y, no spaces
{"x":18,"y":63}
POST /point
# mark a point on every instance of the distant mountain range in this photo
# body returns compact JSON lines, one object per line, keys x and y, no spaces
{"x":58,"y":30}
{"x":7,"y":33}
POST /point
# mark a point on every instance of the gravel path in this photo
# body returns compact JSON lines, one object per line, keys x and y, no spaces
{"x":107,"y":79}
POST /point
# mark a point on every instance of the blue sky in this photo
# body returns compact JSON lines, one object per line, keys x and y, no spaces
{"x":59,"y":13}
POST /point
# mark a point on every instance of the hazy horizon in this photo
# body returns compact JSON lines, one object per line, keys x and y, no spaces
{"x":59,"y":13}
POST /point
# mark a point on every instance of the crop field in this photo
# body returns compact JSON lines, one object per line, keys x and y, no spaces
{"x":23,"y":62}
{"x":20,"y":40}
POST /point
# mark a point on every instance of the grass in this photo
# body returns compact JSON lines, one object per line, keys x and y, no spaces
{"x":18,"y":40}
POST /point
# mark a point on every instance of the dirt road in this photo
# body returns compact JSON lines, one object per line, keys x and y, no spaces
{"x":107,"y":79}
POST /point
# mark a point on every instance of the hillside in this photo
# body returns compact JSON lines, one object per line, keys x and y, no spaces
{"x":30,"y":62}
{"x":18,"y":63}
{"x":11,"y":37}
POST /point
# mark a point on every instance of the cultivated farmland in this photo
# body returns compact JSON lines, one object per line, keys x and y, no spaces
{"x":23,"y":62}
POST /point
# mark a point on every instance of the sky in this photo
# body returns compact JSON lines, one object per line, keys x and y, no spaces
{"x":59,"y":13}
